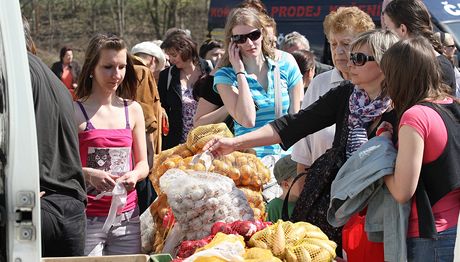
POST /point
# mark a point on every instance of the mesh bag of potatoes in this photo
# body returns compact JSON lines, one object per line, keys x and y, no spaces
{"x":158,"y":209}
{"x":297,"y":242}
{"x":199,"y":136}
{"x":161,"y":163}
{"x":200,"y":199}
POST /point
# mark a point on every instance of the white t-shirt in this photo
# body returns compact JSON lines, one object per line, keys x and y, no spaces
{"x":308,"y":149}
{"x":457,"y":80}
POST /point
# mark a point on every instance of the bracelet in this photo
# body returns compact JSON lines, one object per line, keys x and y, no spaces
{"x":242,"y":72}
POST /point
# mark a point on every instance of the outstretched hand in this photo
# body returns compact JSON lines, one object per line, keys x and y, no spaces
{"x":220,"y":146}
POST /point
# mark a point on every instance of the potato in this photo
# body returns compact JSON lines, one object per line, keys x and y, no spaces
{"x":230,"y":158}
{"x":245,"y":181}
{"x":234,"y":173}
{"x":241,"y":160}
{"x":246,"y":171}
{"x":199,"y":167}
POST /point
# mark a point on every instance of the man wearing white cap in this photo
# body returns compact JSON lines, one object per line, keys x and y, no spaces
{"x":148,"y":59}
{"x":151,"y":55}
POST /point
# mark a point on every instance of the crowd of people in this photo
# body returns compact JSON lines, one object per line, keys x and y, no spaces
{"x":398,"y":84}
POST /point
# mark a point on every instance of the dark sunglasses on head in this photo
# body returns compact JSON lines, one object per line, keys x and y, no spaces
{"x":241,"y":39}
{"x":359,"y":59}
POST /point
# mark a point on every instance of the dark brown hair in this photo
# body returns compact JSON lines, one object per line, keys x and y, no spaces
{"x":412,"y":73}
{"x":30,"y":44}
{"x":415,"y":16}
{"x":99,"y":42}
{"x":178,"y":41}
{"x":64,"y":49}
{"x":209,"y":45}
{"x":305,"y":60}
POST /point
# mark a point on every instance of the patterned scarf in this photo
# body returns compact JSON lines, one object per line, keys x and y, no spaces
{"x":363,"y":112}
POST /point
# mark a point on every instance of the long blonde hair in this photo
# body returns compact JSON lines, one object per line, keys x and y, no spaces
{"x":249,"y":17}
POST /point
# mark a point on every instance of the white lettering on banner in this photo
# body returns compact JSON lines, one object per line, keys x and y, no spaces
{"x":451,"y":9}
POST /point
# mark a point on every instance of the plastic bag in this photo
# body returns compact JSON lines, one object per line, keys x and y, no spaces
{"x":222,"y":248}
{"x":148,"y":229}
{"x":119,"y":197}
{"x":203,"y":199}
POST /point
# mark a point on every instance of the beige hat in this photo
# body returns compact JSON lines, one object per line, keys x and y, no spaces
{"x":152,"y":49}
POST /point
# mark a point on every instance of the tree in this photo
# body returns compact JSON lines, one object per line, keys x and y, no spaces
{"x":61,"y":22}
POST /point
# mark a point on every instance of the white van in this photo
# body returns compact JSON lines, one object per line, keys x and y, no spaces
{"x":19,"y":176}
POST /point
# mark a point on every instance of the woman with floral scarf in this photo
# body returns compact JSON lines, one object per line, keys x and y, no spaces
{"x":357,"y":109}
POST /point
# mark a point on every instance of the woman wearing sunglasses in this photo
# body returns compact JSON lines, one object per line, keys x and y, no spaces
{"x":427,"y":167}
{"x":357,"y":109}
{"x":247,"y":76}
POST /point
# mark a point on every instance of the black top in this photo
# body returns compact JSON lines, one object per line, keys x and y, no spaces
{"x":74,"y":70}
{"x":204,"y":89}
{"x":329,"y":109}
{"x":447,"y":73}
{"x":441,"y":176}
{"x":58,"y":149}
{"x":171,"y":101}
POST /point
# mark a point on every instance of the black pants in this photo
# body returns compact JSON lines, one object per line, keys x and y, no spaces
{"x":145,"y":194}
{"x":63,"y":220}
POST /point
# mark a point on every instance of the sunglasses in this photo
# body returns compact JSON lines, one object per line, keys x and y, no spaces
{"x":241,"y":39}
{"x":359,"y":59}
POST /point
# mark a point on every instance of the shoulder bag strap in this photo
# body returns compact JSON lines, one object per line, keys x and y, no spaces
{"x":278,"y":100}
{"x":285,"y":210}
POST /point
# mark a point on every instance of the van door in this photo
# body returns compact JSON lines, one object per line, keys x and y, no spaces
{"x":19,"y":176}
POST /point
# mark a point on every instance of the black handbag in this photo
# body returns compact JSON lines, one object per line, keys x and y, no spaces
{"x":313,"y":202}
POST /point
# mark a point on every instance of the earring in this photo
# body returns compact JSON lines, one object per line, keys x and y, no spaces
{"x":90,"y":76}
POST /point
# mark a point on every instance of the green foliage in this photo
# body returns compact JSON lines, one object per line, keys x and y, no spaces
{"x":55,"y":23}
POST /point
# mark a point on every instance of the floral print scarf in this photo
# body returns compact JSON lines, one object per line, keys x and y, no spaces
{"x":363,"y":111}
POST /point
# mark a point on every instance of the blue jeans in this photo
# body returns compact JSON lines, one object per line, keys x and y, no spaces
{"x":426,"y":249}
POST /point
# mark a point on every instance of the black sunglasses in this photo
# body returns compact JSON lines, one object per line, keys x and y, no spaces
{"x":241,"y":39}
{"x":359,"y":59}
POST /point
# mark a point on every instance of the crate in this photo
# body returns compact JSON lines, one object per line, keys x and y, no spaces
{"x":118,"y":258}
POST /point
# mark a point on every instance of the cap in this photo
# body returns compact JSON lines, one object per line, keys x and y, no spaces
{"x":152,"y":49}
{"x":284,"y":169}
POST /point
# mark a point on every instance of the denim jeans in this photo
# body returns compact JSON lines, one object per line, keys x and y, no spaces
{"x":426,"y":249}
{"x":63,"y":221}
{"x":122,"y":239}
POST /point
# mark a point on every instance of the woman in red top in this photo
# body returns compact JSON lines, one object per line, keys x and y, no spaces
{"x":427,"y":170}
{"x":111,"y":131}
{"x":67,"y":69}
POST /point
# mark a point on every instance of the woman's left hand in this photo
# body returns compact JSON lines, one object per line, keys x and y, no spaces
{"x":129,"y":180}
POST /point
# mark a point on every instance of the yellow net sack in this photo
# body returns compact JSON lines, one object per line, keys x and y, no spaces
{"x":200,"y":135}
{"x":295,"y":242}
